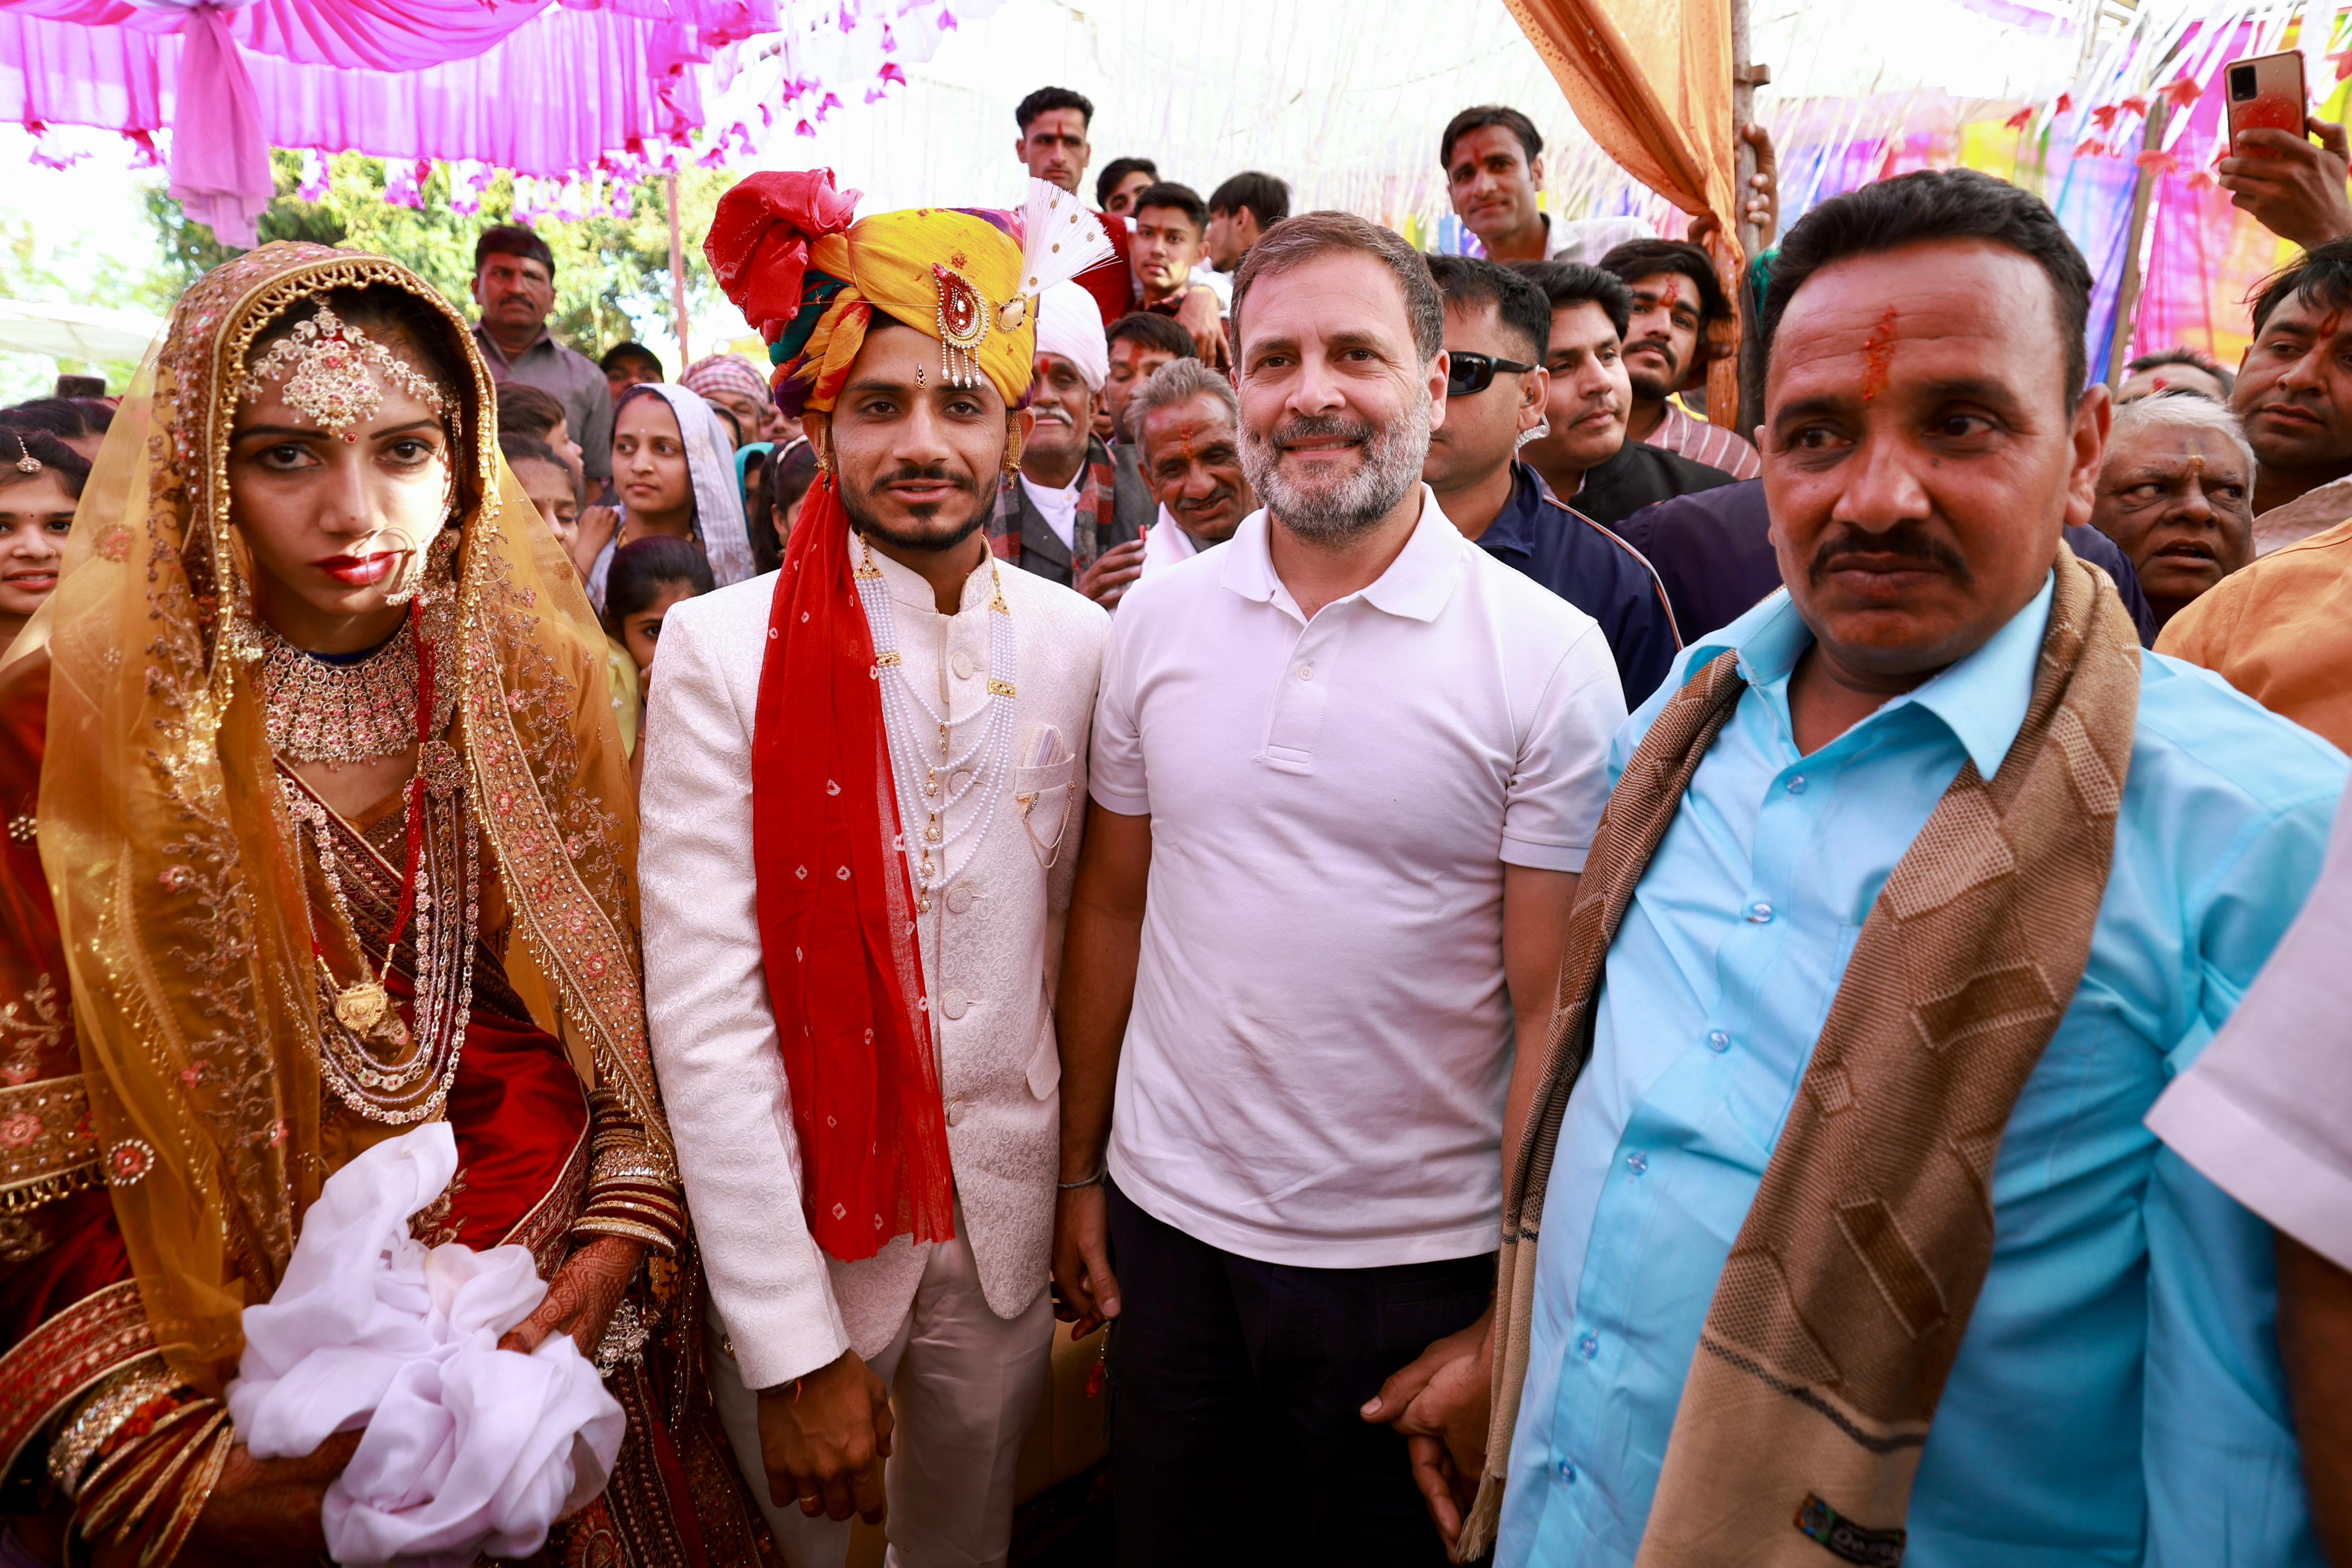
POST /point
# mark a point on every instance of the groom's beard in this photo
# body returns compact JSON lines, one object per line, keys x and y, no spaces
{"x":927,"y":525}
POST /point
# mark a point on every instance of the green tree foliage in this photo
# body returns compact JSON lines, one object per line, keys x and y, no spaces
{"x":608,"y":271}
{"x":86,"y":274}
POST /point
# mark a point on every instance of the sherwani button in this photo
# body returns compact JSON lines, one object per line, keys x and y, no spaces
{"x":960,"y":779}
{"x":963,"y":665}
{"x":955,"y":1113}
{"x":959,"y":899}
{"x":955,"y":1004}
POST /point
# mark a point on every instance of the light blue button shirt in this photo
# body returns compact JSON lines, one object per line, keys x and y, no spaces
{"x":2117,"y":1398}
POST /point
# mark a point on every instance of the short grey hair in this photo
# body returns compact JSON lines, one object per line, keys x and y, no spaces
{"x":1295,"y":241}
{"x":2189,"y":410}
{"x":1177,"y":381}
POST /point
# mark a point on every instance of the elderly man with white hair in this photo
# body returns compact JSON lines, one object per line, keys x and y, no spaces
{"x":1070,"y":507}
{"x":2175,"y":493}
{"x":1182,"y":424}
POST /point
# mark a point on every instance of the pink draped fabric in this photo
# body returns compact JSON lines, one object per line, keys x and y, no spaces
{"x":539,"y":88}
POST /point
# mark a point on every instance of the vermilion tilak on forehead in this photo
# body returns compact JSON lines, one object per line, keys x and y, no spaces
{"x":1671,"y":295}
{"x":1878,"y":355}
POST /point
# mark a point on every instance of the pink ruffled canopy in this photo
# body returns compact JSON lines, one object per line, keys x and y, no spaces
{"x":540,"y":89}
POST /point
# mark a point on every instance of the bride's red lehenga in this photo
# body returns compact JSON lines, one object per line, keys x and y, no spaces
{"x":183,"y":924}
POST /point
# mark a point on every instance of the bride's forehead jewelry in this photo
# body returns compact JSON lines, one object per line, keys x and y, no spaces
{"x":26,"y":462}
{"x":334,"y":375}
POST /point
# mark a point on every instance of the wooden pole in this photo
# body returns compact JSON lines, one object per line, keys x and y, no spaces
{"x":1746,"y":77}
{"x":677,"y":274}
{"x":2119,"y":344}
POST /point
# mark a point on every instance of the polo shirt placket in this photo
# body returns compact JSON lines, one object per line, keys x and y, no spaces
{"x":1302,"y":695}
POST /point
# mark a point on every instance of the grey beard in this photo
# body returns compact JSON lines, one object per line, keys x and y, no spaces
{"x":1332,"y":514}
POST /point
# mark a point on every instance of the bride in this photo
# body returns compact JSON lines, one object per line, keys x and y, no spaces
{"x":318,"y":829}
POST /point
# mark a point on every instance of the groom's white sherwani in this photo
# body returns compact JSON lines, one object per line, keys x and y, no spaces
{"x":974,"y":1309}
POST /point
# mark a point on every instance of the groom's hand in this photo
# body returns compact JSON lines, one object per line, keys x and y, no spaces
{"x":824,"y":1438}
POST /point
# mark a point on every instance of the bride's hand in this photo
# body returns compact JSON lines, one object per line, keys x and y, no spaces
{"x":582,"y":1296}
{"x":261,"y":1510}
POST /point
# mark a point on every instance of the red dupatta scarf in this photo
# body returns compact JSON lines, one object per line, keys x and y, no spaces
{"x":836,"y":911}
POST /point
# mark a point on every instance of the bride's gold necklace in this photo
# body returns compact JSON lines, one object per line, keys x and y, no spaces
{"x":383,"y":705}
{"x":341,"y":713}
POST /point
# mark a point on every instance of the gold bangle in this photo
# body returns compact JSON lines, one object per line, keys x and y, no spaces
{"x":100,"y":1416}
{"x":162,"y":1551}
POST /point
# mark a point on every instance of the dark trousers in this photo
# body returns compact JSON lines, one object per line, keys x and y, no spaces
{"x":1236,"y":1392}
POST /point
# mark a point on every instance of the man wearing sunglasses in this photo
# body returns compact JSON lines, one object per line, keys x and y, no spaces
{"x":1498,"y":327}
{"x":1586,"y":457}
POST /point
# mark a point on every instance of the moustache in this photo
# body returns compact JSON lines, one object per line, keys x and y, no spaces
{"x":1907,"y":547}
{"x":1660,"y":345}
{"x":927,"y":472}
{"x":1215,"y":501}
{"x":1318,"y":427}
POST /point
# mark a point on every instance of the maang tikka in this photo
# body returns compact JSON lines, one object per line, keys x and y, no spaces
{"x":334,"y":375}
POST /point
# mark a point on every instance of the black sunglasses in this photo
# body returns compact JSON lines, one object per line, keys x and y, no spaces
{"x":1466,"y":372}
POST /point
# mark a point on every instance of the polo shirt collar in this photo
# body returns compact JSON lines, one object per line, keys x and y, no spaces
{"x":1415,"y":587}
{"x":1982,"y":700}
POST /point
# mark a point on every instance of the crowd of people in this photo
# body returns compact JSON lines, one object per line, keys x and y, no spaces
{"x":1556,"y":980}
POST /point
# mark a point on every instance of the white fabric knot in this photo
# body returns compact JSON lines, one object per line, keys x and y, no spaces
{"x":468,"y":1451}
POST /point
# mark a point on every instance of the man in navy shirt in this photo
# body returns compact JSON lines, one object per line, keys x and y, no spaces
{"x":1498,"y":324}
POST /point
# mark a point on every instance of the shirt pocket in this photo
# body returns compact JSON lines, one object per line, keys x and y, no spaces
{"x":1042,"y":795}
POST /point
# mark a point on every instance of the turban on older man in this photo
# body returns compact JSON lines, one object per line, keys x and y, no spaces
{"x":726,"y":374}
{"x":1069,"y":323}
{"x":834,"y":898}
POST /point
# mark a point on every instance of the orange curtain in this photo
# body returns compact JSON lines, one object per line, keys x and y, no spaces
{"x":1650,"y":80}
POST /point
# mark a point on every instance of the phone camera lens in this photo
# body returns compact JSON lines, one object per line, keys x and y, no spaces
{"x":2241,"y":83}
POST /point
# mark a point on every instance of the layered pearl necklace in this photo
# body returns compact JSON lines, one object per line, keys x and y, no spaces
{"x":925,"y":761}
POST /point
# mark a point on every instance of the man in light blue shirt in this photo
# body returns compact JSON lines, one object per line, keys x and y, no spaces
{"x":2115,"y":1397}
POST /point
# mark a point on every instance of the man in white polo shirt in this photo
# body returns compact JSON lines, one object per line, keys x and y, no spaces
{"x":1357,"y":764}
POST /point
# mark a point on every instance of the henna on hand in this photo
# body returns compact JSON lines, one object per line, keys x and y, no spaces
{"x":265,"y":1510}
{"x":582,"y":1296}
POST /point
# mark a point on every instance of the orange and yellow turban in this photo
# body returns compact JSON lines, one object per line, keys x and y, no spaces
{"x":787,"y":249}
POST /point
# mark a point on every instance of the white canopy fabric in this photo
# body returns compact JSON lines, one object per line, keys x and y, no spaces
{"x":84,"y":332}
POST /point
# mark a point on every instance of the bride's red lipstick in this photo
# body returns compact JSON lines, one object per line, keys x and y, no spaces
{"x":361,"y":570}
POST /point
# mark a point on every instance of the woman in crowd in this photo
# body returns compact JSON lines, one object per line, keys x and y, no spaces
{"x":752,"y":484}
{"x":676,"y":474}
{"x":266,"y":900}
{"x":790,"y":475}
{"x":648,"y":577}
{"x":40,"y":485}
{"x":79,"y":422}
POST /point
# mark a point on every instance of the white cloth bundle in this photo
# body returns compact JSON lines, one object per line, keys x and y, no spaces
{"x":469,"y":1450}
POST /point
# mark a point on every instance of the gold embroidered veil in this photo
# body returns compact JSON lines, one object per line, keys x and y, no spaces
{"x":170,"y":852}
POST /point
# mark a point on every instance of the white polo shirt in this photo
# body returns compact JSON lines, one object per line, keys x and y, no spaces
{"x":1315,"y":1066}
{"x":1166,"y":544}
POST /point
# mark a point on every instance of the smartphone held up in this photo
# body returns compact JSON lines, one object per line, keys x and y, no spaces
{"x":2266,"y":93}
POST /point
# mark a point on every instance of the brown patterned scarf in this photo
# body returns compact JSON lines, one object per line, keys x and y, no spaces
{"x":1097,"y":497}
{"x":1848,"y":1289}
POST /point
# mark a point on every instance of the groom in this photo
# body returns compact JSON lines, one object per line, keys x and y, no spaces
{"x":860,"y":824}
